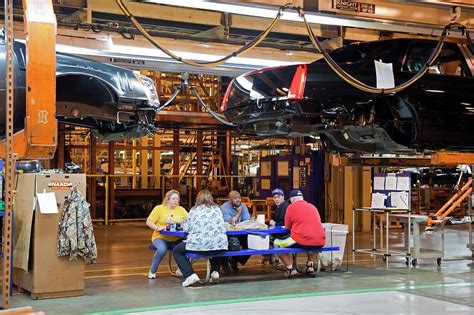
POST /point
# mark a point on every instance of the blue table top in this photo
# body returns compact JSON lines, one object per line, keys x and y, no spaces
{"x":275,"y":230}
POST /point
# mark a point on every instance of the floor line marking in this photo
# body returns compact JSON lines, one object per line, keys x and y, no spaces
{"x":284,"y":296}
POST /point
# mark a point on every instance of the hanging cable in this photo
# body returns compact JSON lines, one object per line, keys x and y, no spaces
{"x":362,"y":86}
{"x":257,"y":40}
{"x":314,"y":40}
{"x":218,"y":117}
{"x":178,"y":89}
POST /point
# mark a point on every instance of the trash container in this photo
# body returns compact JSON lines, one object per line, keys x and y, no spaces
{"x":336,"y":235}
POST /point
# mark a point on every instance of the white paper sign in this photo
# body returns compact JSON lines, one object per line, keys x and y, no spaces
{"x":391,"y":182}
{"x":379,"y":183}
{"x":378,"y":200}
{"x":403,"y":183}
{"x":47,"y":202}
{"x":399,"y":199}
{"x":384,"y":74}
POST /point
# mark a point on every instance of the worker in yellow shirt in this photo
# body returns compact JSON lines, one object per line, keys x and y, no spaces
{"x":168,"y":213}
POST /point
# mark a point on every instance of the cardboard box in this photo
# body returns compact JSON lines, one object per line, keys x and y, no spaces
{"x":258,"y":242}
{"x":37,"y":269}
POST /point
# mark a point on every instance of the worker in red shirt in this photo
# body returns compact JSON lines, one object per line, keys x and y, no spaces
{"x":306,"y":231}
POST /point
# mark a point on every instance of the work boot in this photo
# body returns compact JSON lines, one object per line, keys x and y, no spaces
{"x":290,"y":272}
{"x":310,"y":269}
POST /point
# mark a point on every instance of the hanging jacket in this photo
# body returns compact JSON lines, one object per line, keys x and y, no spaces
{"x":76,"y":234}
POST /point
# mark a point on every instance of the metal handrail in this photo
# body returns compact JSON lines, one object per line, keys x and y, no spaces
{"x":160,"y":184}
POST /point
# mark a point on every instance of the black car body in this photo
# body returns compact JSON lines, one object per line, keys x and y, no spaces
{"x":114,"y":102}
{"x":437,"y":111}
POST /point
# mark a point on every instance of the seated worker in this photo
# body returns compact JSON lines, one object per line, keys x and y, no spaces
{"x":306,"y":231}
{"x":234,"y":211}
{"x":157,"y":222}
{"x":278,"y":218}
{"x":207,"y":235}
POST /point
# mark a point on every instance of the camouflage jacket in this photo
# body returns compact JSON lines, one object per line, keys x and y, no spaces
{"x":76,"y":234}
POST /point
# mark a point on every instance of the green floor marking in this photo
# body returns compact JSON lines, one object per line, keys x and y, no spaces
{"x":284,"y":296}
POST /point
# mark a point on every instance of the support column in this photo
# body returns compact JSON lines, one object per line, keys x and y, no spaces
{"x":348,"y":195}
{"x":92,"y":180}
{"x":134,"y":164}
{"x":111,"y":188}
{"x":61,"y":146}
{"x":157,"y":162}
{"x":228,"y":144}
{"x":199,"y":152}
{"x":366,"y":192}
{"x":144,"y":162}
{"x":176,"y":159}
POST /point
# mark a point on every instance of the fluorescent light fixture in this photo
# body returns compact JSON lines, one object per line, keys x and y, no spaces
{"x":155,"y":52}
{"x":316,"y":18}
{"x":435,"y":91}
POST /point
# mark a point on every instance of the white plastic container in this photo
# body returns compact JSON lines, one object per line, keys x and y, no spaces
{"x":258,"y":242}
{"x":336,"y":235}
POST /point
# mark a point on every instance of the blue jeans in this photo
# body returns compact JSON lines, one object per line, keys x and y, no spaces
{"x":162,"y":247}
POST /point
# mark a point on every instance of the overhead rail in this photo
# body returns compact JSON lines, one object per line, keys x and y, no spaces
{"x":332,"y":64}
{"x":437,"y":158}
{"x":257,"y":40}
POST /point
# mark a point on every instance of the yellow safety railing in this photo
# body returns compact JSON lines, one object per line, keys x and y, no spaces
{"x":187,"y":185}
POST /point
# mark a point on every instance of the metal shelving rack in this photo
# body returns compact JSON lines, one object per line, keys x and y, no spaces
{"x":9,"y":172}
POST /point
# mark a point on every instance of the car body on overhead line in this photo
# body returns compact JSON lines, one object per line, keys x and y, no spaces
{"x":435,"y":112}
{"x":114,"y":102}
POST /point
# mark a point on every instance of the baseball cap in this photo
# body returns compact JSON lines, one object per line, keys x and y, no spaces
{"x":278,"y":191}
{"x":295,"y":193}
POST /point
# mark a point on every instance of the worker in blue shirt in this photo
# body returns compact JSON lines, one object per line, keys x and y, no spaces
{"x":234,"y":211}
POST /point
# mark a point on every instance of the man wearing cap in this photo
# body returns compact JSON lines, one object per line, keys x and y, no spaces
{"x":278,"y":218}
{"x":306,"y":231}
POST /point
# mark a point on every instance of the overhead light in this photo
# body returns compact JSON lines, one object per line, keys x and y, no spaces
{"x":435,"y":91}
{"x":154,"y":52}
{"x":254,"y":63}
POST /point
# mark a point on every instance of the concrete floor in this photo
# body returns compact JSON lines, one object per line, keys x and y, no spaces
{"x":117,"y":284}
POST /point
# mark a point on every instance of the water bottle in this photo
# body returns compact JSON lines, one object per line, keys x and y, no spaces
{"x":168,"y":223}
{"x":172,"y":225}
{"x":178,"y":224}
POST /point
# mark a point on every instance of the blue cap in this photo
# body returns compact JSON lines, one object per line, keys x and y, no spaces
{"x":278,"y":191}
{"x":295,"y":193}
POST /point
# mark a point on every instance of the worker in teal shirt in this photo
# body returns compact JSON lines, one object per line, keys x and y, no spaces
{"x":234,"y":211}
